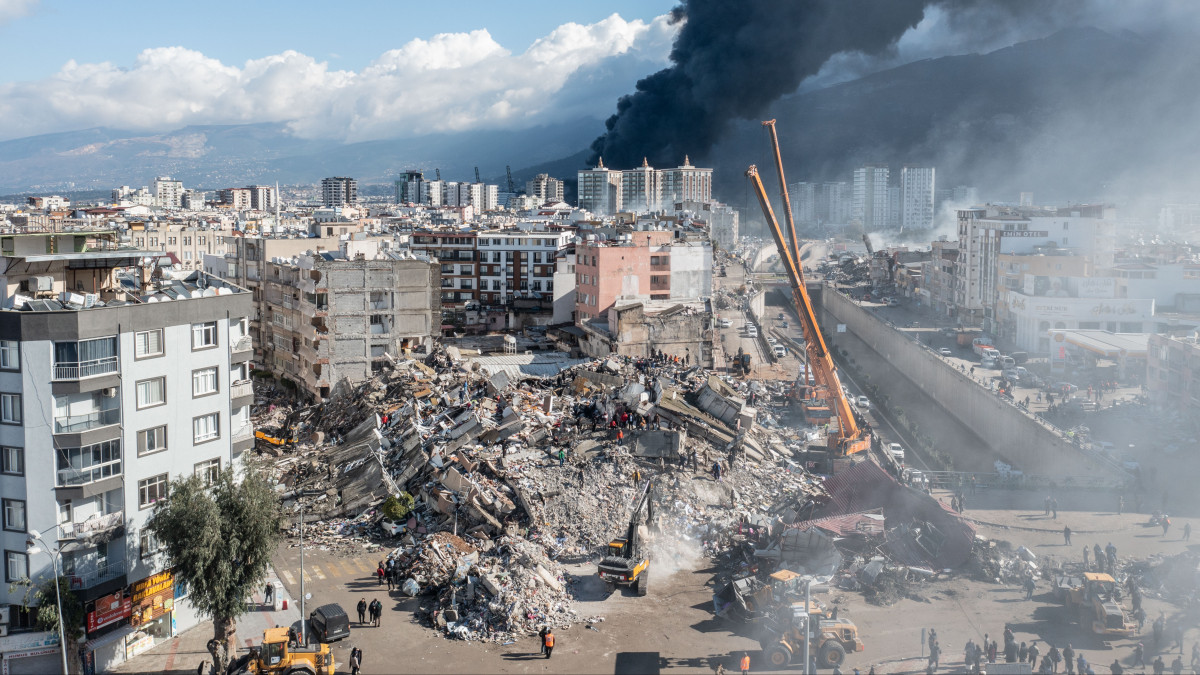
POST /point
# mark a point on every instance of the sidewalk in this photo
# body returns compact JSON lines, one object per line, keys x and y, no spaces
{"x":184,"y":652}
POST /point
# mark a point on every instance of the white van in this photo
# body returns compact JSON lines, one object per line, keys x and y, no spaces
{"x":896,"y":451}
{"x":751,"y":330}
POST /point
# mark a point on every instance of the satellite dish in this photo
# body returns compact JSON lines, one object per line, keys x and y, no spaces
{"x":151,"y":299}
{"x":210,"y":292}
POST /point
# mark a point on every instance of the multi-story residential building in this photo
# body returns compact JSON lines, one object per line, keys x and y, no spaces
{"x":641,"y":265}
{"x":408,"y":187}
{"x":564,"y":287}
{"x":333,"y":319}
{"x":455,"y":253}
{"x":53,"y":203}
{"x":263,"y":197}
{"x":721,"y":220}
{"x":938,"y":275}
{"x":339,"y":191}
{"x":605,"y":191}
{"x":238,"y":199}
{"x":869,"y":208}
{"x":544,"y":189}
{"x":684,"y":183}
{"x":115,"y":377}
{"x":804,"y":202}
{"x":599,"y":190}
{"x":1173,"y":373}
{"x":168,"y":192}
{"x":834,"y":205}
{"x":518,"y":263}
{"x":641,"y":189}
{"x":193,"y":200}
{"x":917,"y":188}
{"x":188,"y":242}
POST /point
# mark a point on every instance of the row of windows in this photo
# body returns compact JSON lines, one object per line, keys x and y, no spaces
{"x":84,"y":354}
{"x":187,"y":241}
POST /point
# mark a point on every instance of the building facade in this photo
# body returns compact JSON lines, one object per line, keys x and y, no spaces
{"x":869,"y":206}
{"x":544,"y":189}
{"x":339,"y":191}
{"x":917,"y":189}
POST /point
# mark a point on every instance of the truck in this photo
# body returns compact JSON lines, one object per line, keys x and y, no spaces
{"x":627,"y":562}
{"x":277,"y":654}
{"x":832,"y":639}
{"x":981,"y":343}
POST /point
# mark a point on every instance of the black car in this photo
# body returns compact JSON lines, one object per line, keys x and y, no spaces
{"x":329,"y":623}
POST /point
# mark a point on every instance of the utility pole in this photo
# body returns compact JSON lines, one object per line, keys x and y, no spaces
{"x":303,"y":617}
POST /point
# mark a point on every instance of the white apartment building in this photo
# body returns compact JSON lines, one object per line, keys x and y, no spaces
{"x":519,"y":263}
{"x":917,"y":189}
{"x":599,"y":190}
{"x":803,"y":196}
{"x":641,"y":189}
{"x":168,"y":192}
{"x":544,"y":189}
{"x":114,"y":379}
{"x":869,"y":205}
{"x":188,"y":242}
{"x":606,"y":191}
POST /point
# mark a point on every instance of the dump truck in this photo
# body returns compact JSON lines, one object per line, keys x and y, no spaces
{"x":1095,"y":598}
{"x":832,"y":640}
{"x":628,"y":560}
{"x":277,"y":655}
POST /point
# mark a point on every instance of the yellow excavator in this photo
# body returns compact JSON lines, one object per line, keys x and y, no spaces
{"x":825,"y":402}
{"x":628,"y":559}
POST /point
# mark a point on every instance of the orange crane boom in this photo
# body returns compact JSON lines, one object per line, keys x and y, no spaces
{"x":850,"y":439}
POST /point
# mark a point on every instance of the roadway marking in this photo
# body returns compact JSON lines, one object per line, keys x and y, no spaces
{"x":317,"y":571}
{"x":287,"y":576}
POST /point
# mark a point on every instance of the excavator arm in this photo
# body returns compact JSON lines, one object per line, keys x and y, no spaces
{"x":850,"y":438}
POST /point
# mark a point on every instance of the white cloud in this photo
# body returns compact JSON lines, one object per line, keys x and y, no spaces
{"x":15,"y":9}
{"x":450,"y":82}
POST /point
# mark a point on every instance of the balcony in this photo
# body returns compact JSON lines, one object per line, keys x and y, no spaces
{"x":241,"y":344}
{"x":94,"y":574}
{"x":78,"y":370}
{"x":240,"y":389}
{"x":243,"y":432}
{"x":74,"y":424}
{"x":95,"y":529}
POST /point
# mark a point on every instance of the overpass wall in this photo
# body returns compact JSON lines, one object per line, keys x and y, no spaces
{"x":1011,"y":435}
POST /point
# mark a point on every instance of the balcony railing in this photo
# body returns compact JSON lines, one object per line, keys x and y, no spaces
{"x":96,"y":526}
{"x":96,"y":573}
{"x":77,"y":370}
{"x":73,"y":424}
{"x":240,"y":389}
{"x":242,"y":344}
{"x":72,"y":477}
{"x":243,"y":432}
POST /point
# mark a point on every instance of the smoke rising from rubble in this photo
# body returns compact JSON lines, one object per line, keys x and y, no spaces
{"x":733,"y":59}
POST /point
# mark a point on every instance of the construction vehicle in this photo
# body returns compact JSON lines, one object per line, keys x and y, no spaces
{"x":277,"y":655}
{"x":748,"y":600}
{"x":1096,"y":599}
{"x":628,"y":559}
{"x":827,"y":394}
{"x":832,"y":639}
{"x":741,"y":363}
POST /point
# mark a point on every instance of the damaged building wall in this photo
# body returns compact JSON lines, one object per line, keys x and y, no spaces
{"x":677,"y":330}
{"x":691,"y":270}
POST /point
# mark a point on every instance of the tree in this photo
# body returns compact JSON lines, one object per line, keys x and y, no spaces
{"x":42,"y":598}
{"x":219,"y":538}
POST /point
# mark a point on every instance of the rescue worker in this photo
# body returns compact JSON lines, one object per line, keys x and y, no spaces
{"x":745,"y":663}
{"x":548,"y":642}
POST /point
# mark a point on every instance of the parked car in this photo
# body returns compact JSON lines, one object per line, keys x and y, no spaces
{"x":751,"y":330}
{"x":780,"y":351}
{"x":863,"y":402}
{"x":944,"y":351}
{"x":896,"y":451}
{"x":726,"y":323}
{"x":329,"y":623}
{"x":772,"y":340}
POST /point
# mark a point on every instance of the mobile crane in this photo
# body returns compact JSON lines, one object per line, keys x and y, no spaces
{"x":628,"y":560}
{"x":849,"y":439}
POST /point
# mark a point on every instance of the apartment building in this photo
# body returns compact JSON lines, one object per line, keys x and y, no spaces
{"x":641,"y":265}
{"x":917,"y":188}
{"x":544,"y":189}
{"x":606,"y":191}
{"x":188,"y":242}
{"x":599,"y":190}
{"x":518,"y":263}
{"x":334,"y":318}
{"x":339,"y":191}
{"x":869,"y":205}
{"x":455,"y":253}
{"x":1173,"y":372}
{"x":168,"y":192}
{"x":114,"y":379}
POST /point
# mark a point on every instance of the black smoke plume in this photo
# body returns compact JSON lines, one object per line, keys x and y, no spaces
{"x":733,"y":58}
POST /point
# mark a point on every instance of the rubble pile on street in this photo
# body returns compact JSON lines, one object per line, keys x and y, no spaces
{"x":508,"y":472}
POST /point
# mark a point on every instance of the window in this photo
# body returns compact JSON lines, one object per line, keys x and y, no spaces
{"x":12,"y":461}
{"x":10,"y":355}
{"x":10,"y":408}
{"x":209,"y":471}
{"x":150,"y":490}
{"x":148,"y":544}
{"x":80,"y":466}
{"x":171,"y":241}
{"x":151,"y":392}
{"x":151,"y":441}
{"x":16,"y":566}
{"x":148,"y":343}
{"x":86,"y":358}
{"x":14,"y":515}
{"x":206,"y":427}
{"x":204,"y":381}
{"x":204,"y":335}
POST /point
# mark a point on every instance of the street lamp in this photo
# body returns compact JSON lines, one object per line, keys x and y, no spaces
{"x":303,"y":617}
{"x":35,"y":540}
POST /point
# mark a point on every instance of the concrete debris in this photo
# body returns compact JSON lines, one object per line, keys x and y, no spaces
{"x":510,"y":476}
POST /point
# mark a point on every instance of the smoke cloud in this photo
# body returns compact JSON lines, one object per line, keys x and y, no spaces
{"x":731,"y":60}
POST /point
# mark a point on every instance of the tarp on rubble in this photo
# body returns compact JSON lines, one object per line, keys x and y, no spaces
{"x":920,"y":529}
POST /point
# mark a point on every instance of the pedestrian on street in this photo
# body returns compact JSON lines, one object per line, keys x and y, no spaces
{"x":1030,"y":587}
{"x":1047,"y":505}
{"x":379,"y":572}
{"x":1085,"y":557}
{"x":269,"y":594}
{"x":745,"y":663}
{"x":548,"y":642}
{"x":1069,"y":657}
{"x":542,"y":638}
{"x":1033,"y":652}
{"x":376,"y":611}
{"x":1115,"y":668}
{"x":355,"y":661}
{"x":1055,"y":657}
{"x":1022,"y":653}
{"x":935,"y":653}
{"x":1139,"y":655}
{"x":932,"y":638}
{"x":362,"y":611}
{"x":1140,"y":615}
{"x":1158,"y":666}
{"x":1067,"y":535}
{"x":1166,"y":524}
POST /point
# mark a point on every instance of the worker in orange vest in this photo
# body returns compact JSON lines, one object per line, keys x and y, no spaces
{"x":548,"y":642}
{"x":745,"y":663}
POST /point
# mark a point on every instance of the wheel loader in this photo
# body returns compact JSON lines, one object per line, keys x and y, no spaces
{"x":832,"y":639}
{"x":277,"y":655}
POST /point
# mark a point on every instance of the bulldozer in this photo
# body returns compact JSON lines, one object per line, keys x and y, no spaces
{"x":628,"y":561}
{"x":832,"y":639}
{"x":277,"y":654}
{"x":1095,"y":597}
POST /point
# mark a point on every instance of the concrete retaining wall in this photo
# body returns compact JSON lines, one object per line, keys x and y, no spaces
{"x":1010,"y":434}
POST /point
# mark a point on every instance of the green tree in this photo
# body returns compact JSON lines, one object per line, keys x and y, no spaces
{"x":42,"y":598}
{"x":219,"y":538}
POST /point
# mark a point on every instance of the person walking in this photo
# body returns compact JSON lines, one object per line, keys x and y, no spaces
{"x":1054,"y":508}
{"x":745,"y":663}
{"x":1030,"y":587}
{"x":1115,"y":668}
{"x":1139,"y":655}
{"x":1033,"y":652}
{"x":362,"y":611}
{"x":542,"y":638}
{"x":1055,"y":657}
{"x":355,"y":661}
{"x":380,"y":572}
{"x":376,"y":611}
{"x":1166,"y":524}
{"x":1158,"y":666}
{"x":1085,"y":558}
{"x":548,"y":642}
{"x":269,"y":594}
{"x":1069,"y":657}
{"x":1067,"y":535}
{"x":1022,"y":653}
{"x":935,"y":653}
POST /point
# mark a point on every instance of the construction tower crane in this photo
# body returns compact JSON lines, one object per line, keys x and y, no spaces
{"x":477,"y":178}
{"x":508,"y":168}
{"x":849,"y":439}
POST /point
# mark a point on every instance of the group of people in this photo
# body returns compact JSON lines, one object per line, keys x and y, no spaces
{"x":372,"y":610}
